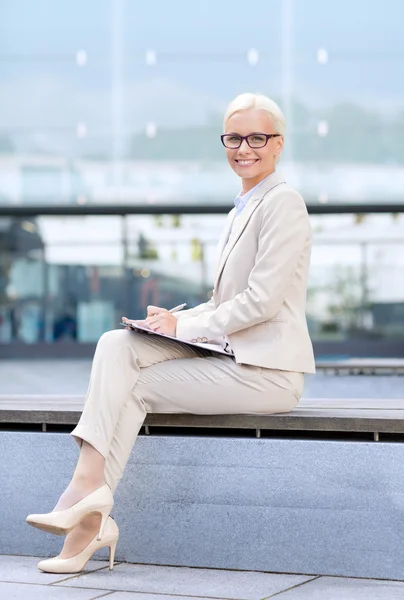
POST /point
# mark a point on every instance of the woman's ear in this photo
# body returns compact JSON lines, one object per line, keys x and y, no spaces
{"x":279,"y":146}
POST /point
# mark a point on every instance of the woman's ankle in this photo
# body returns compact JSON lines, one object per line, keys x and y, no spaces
{"x":86,"y":482}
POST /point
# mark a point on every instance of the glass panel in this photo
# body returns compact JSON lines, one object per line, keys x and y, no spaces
{"x":104,"y":102}
{"x":356,"y":287}
{"x":122,"y":103}
{"x":74,"y":278}
{"x":23,"y":281}
{"x":346,"y":110}
{"x":61,"y":278}
{"x":175,"y":255}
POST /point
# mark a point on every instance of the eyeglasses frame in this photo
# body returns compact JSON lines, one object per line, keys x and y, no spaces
{"x":245,"y":137}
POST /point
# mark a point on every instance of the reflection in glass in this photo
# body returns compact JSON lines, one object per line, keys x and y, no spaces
{"x":100,"y":104}
{"x":72,"y":279}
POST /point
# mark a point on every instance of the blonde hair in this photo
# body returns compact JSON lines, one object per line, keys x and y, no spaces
{"x":247,"y":101}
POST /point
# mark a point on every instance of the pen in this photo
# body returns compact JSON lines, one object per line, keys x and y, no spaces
{"x":177,"y":308}
{"x":172,"y":310}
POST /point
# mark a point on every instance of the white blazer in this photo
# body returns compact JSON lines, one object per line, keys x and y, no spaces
{"x":259,"y":295}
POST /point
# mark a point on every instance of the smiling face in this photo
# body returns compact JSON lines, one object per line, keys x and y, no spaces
{"x":253,"y":164}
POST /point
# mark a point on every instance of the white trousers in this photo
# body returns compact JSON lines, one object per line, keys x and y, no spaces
{"x":133,"y":374}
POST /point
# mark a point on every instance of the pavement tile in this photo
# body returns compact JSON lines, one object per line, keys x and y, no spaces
{"x":140,"y":596}
{"x":341,"y":588}
{"x":23,"y":569}
{"x":210,"y":583}
{"x":22,"y":591}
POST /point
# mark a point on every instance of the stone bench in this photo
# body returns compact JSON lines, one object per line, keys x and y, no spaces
{"x":373,"y":416}
{"x":319,"y":490}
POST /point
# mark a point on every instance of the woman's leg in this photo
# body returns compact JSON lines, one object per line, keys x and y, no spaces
{"x":111,"y":420}
{"x":208,"y":384}
{"x":216,"y":384}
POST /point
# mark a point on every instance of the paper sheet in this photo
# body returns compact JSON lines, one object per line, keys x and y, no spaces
{"x":145,"y":329}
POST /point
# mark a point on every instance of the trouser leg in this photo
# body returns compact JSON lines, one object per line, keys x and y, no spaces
{"x":112,"y":415}
{"x":134,"y":374}
{"x":200,"y":385}
{"x":216,"y":384}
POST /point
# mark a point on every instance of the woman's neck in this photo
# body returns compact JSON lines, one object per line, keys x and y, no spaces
{"x":248,"y":184}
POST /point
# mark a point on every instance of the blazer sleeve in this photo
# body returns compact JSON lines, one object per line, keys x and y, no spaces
{"x":285,"y":229}
{"x":196,"y":310}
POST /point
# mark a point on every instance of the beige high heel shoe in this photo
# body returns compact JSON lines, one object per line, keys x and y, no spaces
{"x":78,"y":562}
{"x":61,"y":522}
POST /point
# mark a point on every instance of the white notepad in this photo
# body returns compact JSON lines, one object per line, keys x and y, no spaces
{"x":212,"y":347}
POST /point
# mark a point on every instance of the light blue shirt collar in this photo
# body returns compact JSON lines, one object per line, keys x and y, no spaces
{"x":241,"y":199}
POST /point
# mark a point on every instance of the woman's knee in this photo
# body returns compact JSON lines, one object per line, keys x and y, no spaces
{"x":113,"y":339}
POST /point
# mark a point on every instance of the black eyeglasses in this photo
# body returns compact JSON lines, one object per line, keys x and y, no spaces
{"x":254,"y":140}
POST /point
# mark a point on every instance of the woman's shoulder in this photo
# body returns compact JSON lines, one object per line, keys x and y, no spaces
{"x":284,"y":195}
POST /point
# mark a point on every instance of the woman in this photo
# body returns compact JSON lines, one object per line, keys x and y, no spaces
{"x":257,"y":308}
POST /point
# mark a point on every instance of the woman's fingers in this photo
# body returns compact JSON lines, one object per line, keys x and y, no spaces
{"x":155,"y":310}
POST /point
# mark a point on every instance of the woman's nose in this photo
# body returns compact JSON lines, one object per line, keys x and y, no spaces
{"x":244,"y":147}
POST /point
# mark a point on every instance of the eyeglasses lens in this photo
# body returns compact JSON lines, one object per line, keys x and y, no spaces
{"x":254,"y":141}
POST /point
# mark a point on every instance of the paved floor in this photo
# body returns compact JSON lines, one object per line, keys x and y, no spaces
{"x":20,"y":579}
{"x":71,"y":377}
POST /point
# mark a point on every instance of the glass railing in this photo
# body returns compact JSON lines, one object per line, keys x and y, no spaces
{"x":72,"y":278}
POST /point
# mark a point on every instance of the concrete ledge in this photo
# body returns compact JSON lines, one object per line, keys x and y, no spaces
{"x":272,"y":504}
{"x":277,"y":505}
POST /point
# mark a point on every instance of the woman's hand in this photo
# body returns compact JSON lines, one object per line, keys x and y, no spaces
{"x":161,"y":320}
{"x":141,"y":322}
{"x":126,"y":320}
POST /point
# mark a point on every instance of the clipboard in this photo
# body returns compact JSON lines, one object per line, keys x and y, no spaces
{"x":205,"y":346}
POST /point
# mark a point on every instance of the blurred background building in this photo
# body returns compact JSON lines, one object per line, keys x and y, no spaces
{"x":114,"y":186}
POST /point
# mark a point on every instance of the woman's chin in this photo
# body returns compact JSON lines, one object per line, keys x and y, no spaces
{"x":246,"y":172}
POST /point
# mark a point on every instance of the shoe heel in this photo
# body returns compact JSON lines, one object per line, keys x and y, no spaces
{"x":105,"y":510}
{"x":112,"y":548}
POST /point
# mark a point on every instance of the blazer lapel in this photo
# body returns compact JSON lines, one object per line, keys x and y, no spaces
{"x":225,"y":233}
{"x":274,"y":180}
